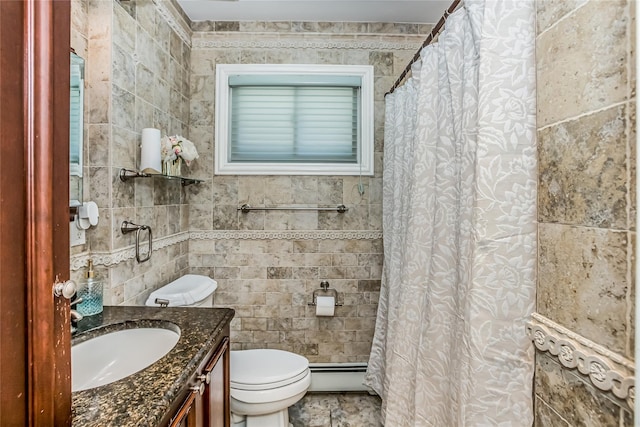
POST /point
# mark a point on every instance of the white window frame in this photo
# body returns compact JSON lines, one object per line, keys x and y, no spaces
{"x":363,"y":167}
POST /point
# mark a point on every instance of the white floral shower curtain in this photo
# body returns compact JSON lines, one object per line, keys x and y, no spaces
{"x":459,"y":192}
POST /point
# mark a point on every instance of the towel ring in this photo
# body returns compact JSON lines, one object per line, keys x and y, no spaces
{"x":129,"y":227}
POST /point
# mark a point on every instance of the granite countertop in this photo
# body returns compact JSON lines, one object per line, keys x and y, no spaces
{"x":142,"y":399}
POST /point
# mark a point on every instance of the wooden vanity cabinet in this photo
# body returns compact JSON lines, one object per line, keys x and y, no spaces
{"x":204,"y":401}
{"x":217,"y":412}
{"x":190,"y":413}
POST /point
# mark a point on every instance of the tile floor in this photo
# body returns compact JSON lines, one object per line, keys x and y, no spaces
{"x":336,"y":410}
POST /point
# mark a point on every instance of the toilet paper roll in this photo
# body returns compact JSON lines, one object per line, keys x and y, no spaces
{"x":150,"y":161}
{"x":325,"y":306}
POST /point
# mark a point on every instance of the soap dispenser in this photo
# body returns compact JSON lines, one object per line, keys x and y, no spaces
{"x":91,"y":293}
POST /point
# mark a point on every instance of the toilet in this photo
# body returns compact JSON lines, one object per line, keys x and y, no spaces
{"x":264,"y":382}
{"x":190,"y":290}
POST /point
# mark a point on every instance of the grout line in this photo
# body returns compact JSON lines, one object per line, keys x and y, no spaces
{"x":620,"y":417}
{"x":628,"y":132}
{"x":589,"y":113}
{"x":636,"y":350}
{"x":588,"y":227}
{"x":566,"y":16}
{"x":550,"y":408}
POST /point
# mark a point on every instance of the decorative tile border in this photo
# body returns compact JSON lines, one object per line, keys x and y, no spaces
{"x":286,"y":235}
{"x":121,"y":255}
{"x":607,"y":370}
{"x":78,"y":262}
{"x":164,"y":9}
{"x":257,"y":43}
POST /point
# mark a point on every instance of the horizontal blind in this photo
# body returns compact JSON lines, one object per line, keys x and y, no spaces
{"x":294,"y":123}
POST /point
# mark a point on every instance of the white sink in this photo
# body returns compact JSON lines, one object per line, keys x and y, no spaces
{"x":113,"y":356}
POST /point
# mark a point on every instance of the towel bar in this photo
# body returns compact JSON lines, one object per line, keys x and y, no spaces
{"x":247,"y":208}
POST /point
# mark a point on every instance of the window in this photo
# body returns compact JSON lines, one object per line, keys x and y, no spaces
{"x":294,"y":120}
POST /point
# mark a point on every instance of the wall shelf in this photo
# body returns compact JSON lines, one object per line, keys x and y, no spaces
{"x":127,"y":174}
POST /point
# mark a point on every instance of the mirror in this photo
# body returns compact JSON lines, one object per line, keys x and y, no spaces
{"x":76,"y":125}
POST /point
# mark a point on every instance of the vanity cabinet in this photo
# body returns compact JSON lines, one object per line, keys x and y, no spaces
{"x":204,"y":401}
{"x":163,"y":393}
{"x":217,"y":412}
{"x":189,"y":415}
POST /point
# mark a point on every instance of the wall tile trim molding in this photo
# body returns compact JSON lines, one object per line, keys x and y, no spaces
{"x":177,"y":24}
{"x":116,"y":257}
{"x":607,"y":370}
{"x":286,"y":235}
{"x":80,"y":261}
{"x":257,"y":43}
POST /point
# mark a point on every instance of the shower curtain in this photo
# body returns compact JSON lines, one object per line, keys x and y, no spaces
{"x":459,"y":224}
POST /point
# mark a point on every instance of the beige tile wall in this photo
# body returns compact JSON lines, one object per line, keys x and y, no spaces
{"x":586,"y":214}
{"x":141,"y":74}
{"x":270,"y":281}
{"x":137,"y":77}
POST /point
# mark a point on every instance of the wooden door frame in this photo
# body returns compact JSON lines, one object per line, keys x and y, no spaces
{"x":34,"y":219}
{"x":47,"y":44}
{"x":13,"y":319}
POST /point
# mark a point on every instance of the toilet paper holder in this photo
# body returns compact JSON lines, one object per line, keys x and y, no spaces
{"x":325,"y":291}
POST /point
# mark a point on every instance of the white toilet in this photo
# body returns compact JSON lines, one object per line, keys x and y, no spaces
{"x":264,"y":383}
{"x":190,"y":290}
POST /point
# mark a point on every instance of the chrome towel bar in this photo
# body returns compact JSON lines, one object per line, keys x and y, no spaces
{"x":247,"y":208}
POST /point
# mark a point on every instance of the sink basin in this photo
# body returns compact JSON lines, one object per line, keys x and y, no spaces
{"x":113,"y":356}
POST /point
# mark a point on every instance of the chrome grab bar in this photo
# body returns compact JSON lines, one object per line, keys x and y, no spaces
{"x":247,"y":208}
{"x":129,"y":227}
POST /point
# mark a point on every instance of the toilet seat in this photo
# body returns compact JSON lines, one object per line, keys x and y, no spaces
{"x":264,"y":383}
{"x":271,"y":396}
{"x":265,"y":369}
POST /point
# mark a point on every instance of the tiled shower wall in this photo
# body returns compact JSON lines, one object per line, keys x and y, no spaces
{"x":267,"y":264}
{"x":586,"y":205}
{"x":137,"y":72}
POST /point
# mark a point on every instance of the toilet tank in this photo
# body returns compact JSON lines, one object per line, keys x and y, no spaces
{"x":190,"y":290}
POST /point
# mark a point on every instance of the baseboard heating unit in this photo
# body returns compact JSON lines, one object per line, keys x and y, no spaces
{"x":333,"y":377}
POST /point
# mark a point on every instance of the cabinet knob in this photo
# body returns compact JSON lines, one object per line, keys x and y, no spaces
{"x":198,"y":388}
{"x":66,"y":289}
{"x":205,"y":378}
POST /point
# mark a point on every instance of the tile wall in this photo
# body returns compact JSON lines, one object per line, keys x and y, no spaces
{"x":267,"y":263}
{"x":137,"y":77}
{"x":586,"y":201}
{"x":148,"y":66}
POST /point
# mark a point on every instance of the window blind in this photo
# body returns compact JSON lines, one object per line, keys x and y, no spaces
{"x":294,"y":120}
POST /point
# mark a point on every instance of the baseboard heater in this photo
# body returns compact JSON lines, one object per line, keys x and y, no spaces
{"x":328,"y":377}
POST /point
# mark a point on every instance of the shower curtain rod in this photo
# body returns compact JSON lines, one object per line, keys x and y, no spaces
{"x":434,"y":32}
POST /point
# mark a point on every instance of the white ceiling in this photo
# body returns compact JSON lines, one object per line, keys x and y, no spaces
{"x":410,"y":11}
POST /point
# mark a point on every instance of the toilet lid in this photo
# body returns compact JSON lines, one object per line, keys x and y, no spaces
{"x":185,"y":290}
{"x":266,"y":368}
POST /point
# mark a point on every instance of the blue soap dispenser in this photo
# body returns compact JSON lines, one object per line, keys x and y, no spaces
{"x":91,"y":293}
